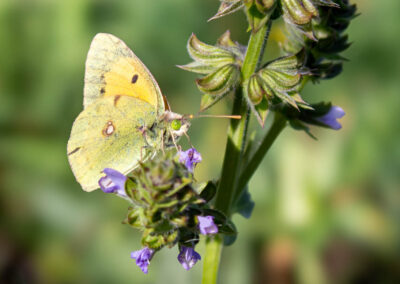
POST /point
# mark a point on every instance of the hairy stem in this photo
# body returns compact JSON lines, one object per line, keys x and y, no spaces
{"x":233,"y":152}
{"x":276,"y":128}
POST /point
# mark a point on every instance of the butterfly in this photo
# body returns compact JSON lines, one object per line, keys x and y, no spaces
{"x":124,"y":115}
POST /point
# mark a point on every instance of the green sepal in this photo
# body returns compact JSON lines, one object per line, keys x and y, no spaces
{"x":208,"y":101}
{"x":256,"y":18}
{"x":287,"y":99}
{"x":225,"y":41}
{"x":207,"y":54}
{"x":298,"y":12}
{"x":261,"y":111}
{"x":198,"y":67}
{"x":227,"y":7}
{"x":255,"y":92}
{"x":221,"y":81}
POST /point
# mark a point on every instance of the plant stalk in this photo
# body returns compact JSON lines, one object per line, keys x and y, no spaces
{"x":233,"y":152}
{"x":276,"y":128}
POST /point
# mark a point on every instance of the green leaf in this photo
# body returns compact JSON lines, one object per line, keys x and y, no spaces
{"x":209,"y":191}
{"x":245,"y":205}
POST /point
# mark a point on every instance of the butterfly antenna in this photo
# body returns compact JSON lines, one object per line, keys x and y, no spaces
{"x":191,"y":116}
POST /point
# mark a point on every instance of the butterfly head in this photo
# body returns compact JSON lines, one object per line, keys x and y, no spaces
{"x":177,"y":123}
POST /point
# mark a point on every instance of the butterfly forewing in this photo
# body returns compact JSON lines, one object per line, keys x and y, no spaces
{"x":113,"y":69}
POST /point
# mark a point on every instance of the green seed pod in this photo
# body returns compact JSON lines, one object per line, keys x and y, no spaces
{"x":221,"y":81}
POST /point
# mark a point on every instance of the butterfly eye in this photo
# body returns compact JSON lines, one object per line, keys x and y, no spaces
{"x":176,"y":124}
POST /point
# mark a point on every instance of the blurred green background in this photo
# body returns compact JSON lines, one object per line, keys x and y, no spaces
{"x":327,"y":211}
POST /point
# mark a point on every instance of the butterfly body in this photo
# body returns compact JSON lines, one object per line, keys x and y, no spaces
{"x":125,"y":118}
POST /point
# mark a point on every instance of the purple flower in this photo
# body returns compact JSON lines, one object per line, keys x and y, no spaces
{"x":330,"y":118}
{"x":188,"y":257}
{"x":113,"y":182}
{"x":207,"y":225}
{"x":190,"y":158}
{"x":143,"y":258}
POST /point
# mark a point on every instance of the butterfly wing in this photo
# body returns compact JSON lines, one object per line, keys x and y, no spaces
{"x":108,"y":134}
{"x":113,"y":69}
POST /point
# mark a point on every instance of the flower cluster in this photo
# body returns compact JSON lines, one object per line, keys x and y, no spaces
{"x":166,"y":206}
{"x":322,"y":55}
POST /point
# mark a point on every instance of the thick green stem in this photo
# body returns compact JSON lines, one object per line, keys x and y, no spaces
{"x":237,"y":129}
{"x":277,"y":126}
{"x":211,"y":261}
{"x":233,"y":152}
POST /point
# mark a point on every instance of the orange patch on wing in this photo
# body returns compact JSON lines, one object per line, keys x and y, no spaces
{"x":118,"y":81}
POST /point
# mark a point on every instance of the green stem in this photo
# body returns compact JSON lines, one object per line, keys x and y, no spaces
{"x":233,"y":152}
{"x":237,"y":129}
{"x":211,"y":261}
{"x":276,"y":128}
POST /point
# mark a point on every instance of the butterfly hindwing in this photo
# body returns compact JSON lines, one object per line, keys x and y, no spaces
{"x":108,"y":133}
{"x":113,"y":69}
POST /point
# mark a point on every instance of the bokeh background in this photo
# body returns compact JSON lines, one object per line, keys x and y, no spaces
{"x":326,"y":211}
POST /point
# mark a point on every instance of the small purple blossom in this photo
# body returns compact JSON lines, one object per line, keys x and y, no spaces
{"x":188,"y":257}
{"x":143,"y":258}
{"x":330,"y":118}
{"x":190,"y":158}
{"x":207,"y":225}
{"x":113,"y":182}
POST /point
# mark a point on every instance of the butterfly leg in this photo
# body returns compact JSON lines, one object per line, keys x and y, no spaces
{"x":162,"y":142}
{"x":188,"y":138}
{"x":143,"y":130}
{"x":174,"y":141}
